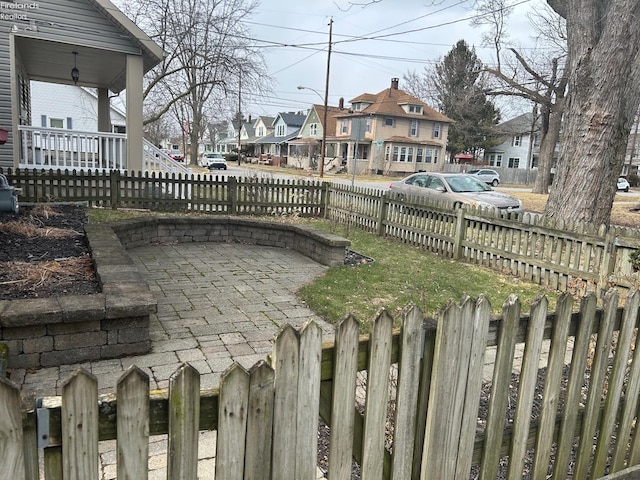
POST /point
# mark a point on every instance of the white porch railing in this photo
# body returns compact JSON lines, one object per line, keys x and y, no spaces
{"x":55,"y":148}
{"x":155,"y":160}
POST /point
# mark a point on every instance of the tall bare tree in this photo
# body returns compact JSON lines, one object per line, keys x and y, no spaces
{"x":603,"y":98}
{"x":208,"y":51}
{"x":541,"y":80}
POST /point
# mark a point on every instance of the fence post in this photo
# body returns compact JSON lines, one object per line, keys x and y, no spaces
{"x":324,"y":201}
{"x":232,"y":185}
{"x":382,"y":214}
{"x":114,"y":181}
{"x":458,"y":234}
{"x":608,"y":262}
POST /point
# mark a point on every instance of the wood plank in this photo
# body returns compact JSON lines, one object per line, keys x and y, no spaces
{"x":343,"y":398}
{"x":232,"y":423}
{"x":573,"y":392}
{"x":527,"y":387}
{"x":551,"y":395}
{"x":184,"y":415}
{"x":500,"y":388}
{"x":80,"y":426}
{"x":285,"y":362}
{"x":376,"y":402}
{"x":440,"y":449}
{"x":407,"y":393}
{"x":631,"y":395}
{"x":596,"y":385}
{"x":257,"y":459}
{"x":133,"y":425}
{"x":614,"y":390}
{"x":12,"y":438}
{"x":308,"y":400}
{"x":478,"y":319}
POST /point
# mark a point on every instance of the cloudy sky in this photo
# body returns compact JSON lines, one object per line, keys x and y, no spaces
{"x":371,"y":44}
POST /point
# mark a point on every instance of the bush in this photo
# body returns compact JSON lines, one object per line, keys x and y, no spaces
{"x":634,"y":259}
{"x":633,"y":180}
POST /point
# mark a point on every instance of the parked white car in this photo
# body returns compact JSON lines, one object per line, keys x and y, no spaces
{"x":488,"y":176}
{"x":212,"y":161}
{"x":623,"y":184}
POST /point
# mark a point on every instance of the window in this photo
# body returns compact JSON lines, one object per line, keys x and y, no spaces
{"x":261,"y":131}
{"x":495,"y":160}
{"x":419,"y":152}
{"x":119,"y":129}
{"x":344,"y":127}
{"x":313,"y":129}
{"x":410,"y":154}
{"x":429,"y":155}
{"x":435,"y":155}
{"x":56,"y":123}
{"x":280,"y":130}
{"x":403,"y":154}
{"x":516,"y":141}
{"x":415,"y":109}
{"x":388,"y":122}
{"x":368,"y":125}
{"x":436,"y":130}
{"x":514,"y":163}
{"x":413,"y":130}
{"x":387,"y":151}
{"x":395,"y":154}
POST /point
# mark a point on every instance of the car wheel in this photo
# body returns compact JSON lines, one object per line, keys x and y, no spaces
{"x":225,"y":168}
{"x":495,"y":182}
{"x":626,"y":189}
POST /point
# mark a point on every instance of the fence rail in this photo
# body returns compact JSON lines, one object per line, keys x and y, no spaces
{"x":425,"y":380}
{"x":567,"y":257}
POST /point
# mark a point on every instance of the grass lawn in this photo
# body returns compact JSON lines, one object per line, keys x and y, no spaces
{"x":401,"y":275}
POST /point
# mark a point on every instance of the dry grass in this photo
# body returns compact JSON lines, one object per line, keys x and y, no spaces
{"x":622,"y":213}
{"x":36,"y":274}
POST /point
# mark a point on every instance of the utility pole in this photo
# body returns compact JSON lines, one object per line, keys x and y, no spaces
{"x":239,"y":111}
{"x":323,"y":147}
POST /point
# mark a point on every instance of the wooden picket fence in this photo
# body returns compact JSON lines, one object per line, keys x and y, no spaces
{"x":575,"y":419}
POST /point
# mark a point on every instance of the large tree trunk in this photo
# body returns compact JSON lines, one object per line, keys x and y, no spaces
{"x":604,"y":93}
{"x":548,"y":144}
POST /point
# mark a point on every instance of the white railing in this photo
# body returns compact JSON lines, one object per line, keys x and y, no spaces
{"x":155,"y":160}
{"x":55,"y":148}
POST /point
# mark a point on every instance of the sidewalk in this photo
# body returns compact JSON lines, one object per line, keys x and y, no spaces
{"x":217,"y":303}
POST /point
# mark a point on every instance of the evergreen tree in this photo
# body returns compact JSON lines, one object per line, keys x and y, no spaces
{"x":461,"y":97}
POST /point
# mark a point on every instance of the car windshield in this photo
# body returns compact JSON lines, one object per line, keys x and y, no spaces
{"x":472,"y":172}
{"x":467,"y":184}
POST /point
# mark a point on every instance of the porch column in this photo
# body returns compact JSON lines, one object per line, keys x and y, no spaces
{"x":135,"y":72}
{"x":104,"y":110}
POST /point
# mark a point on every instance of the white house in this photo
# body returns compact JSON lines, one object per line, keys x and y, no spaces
{"x":70,"y":107}
{"x":520,"y":145}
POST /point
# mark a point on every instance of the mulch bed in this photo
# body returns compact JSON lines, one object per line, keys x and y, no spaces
{"x":44,"y":252}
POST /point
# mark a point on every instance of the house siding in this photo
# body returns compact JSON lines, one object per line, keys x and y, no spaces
{"x":6,"y":150}
{"x":58,"y":21}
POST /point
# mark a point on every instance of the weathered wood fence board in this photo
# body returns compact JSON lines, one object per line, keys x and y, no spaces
{"x":267,"y":418}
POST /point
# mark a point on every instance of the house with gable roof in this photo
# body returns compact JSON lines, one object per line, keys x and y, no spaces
{"x":273,"y":149}
{"x":520,"y":144}
{"x":389,"y":132}
{"x":304,"y":151}
{"x":88,"y":43}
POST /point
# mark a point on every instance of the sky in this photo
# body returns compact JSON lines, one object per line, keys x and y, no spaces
{"x":411,"y":34}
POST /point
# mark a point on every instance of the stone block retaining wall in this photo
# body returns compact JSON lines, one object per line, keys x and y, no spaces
{"x":53,"y":331}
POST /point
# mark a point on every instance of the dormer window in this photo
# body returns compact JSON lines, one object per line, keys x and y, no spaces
{"x":280,"y":131}
{"x":357,"y":107}
{"x":415,"y":109}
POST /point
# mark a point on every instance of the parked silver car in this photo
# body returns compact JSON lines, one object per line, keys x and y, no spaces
{"x":456,"y":189}
{"x":487,"y":175}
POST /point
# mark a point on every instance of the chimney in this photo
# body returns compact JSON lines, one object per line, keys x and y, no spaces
{"x":341,"y":103}
{"x":249,"y":118}
{"x":394,"y":83}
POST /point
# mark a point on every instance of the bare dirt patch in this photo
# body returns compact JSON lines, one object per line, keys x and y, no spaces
{"x":44,"y":252}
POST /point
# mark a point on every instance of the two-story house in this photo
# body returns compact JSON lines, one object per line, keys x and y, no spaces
{"x":520,"y":144}
{"x":391,"y":132}
{"x":274,"y":148}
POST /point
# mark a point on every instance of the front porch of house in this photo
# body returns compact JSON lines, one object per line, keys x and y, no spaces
{"x":56,"y":148}
{"x":87,"y":43}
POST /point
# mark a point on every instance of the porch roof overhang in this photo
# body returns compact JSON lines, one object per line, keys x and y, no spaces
{"x":46,"y":54}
